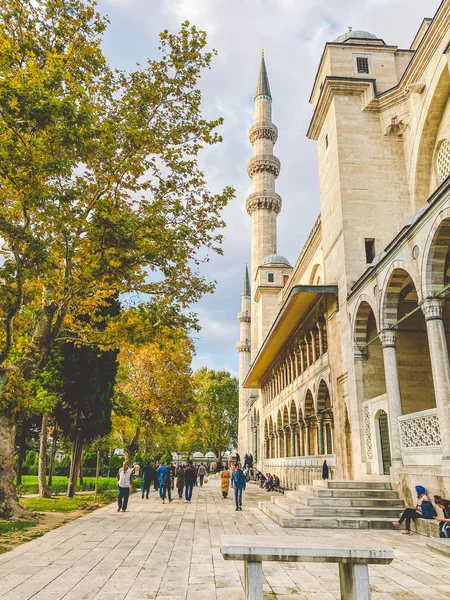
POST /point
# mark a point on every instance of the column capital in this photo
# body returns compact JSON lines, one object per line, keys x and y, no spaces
{"x":433,"y":308}
{"x":388,"y":338}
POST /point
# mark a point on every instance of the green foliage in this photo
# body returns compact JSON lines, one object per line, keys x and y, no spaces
{"x":63,"y":504}
{"x":59,"y":486}
{"x":217,"y":409}
{"x":88,"y":378}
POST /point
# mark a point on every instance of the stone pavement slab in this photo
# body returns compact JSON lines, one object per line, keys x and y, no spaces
{"x":172,"y":552}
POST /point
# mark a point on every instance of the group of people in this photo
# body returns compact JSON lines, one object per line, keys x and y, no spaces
{"x":237,"y":478}
{"x":424,"y":509}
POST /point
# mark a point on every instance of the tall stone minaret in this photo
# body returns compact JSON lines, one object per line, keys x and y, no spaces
{"x":263,"y":204}
{"x":244,"y":348}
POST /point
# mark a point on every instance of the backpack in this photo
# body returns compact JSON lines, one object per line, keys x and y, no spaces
{"x":428,"y":510}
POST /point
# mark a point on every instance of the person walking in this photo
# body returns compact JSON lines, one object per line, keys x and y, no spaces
{"x":201,"y":473}
{"x":225,"y":482}
{"x":148,"y":477}
{"x":180,"y":481}
{"x":190,"y":477}
{"x":164,"y":479}
{"x":239,"y":485}
{"x":124,"y":484}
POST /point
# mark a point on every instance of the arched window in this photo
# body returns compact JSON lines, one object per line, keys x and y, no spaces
{"x":443,"y":162}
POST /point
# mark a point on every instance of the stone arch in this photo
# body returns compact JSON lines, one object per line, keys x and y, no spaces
{"x":401,"y":313}
{"x":311,"y":425}
{"x":315,"y":273}
{"x":436,"y":257}
{"x":323,"y":397}
{"x":428,"y":127}
{"x":360,"y":322}
{"x":285,"y":415}
{"x":293,"y":416}
{"x":279,"y":424}
{"x":394,"y":282}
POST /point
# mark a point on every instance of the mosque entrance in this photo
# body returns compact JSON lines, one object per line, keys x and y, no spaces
{"x":384,"y":442}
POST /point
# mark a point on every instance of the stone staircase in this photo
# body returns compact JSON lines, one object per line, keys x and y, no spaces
{"x":336,"y":505}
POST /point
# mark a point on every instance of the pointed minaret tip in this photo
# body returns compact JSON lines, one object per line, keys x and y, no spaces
{"x":263,"y":87}
{"x":246,"y":284}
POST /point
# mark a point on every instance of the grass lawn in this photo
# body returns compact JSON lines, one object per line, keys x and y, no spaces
{"x":65,"y":505}
{"x":30,"y":484}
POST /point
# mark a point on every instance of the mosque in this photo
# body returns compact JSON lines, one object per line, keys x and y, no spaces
{"x":344,"y":352}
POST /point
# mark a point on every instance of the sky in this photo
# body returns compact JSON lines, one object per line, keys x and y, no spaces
{"x":293,"y":34}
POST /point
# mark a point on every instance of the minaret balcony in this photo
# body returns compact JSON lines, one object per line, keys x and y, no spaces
{"x":266,"y":131}
{"x":243,"y":346}
{"x":263,"y":163}
{"x":263,"y":200}
{"x":244,"y":317}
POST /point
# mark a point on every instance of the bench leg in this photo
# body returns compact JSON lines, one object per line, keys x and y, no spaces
{"x":253,"y":580}
{"x":354,"y":580}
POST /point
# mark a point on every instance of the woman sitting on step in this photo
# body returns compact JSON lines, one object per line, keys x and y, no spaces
{"x":414,"y":513}
{"x":444,"y":522}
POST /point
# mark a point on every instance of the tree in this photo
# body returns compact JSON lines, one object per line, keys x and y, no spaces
{"x":84,"y":411}
{"x":217,"y":408}
{"x":154,"y":389}
{"x":99,"y":185}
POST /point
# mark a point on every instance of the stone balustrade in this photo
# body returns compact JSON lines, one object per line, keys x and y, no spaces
{"x":420,"y":430}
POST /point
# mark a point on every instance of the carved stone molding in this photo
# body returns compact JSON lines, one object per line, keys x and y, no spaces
{"x":263,"y":163}
{"x":388,"y":338}
{"x":396,"y":128}
{"x":259,"y":131}
{"x":433,"y":308}
{"x":243,"y":346}
{"x":261,"y":200}
{"x":244,"y":318}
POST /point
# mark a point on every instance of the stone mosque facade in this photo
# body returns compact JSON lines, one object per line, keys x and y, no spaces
{"x":344,"y":353}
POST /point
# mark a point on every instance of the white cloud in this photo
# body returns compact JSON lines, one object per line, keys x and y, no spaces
{"x":293,"y":33}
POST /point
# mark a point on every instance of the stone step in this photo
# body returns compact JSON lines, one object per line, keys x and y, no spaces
{"x":287,"y":520}
{"x":440,"y":546}
{"x":309,"y":500}
{"x":357,"y":485}
{"x":301,"y":510}
{"x":321,"y":492}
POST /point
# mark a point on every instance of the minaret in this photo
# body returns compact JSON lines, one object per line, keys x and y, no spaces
{"x":263,"y":204}
{"x":244,"y":347}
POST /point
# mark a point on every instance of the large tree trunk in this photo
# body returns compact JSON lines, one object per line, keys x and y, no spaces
{"x":22,"y":450}
{"x":53,"y":455}
{"x":9,"y":502}
{"x":44,"y":492}
{"x":75,"y":464}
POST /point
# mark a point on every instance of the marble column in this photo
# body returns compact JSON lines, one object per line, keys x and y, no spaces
{"x":302,"y":356}
{"x":320,"y":434}
{"x":296,"y":369}
{"x":308,"y":356}
{"x":285,"y":443}
{"x":307,"y":435}
{"x":440,"y":368}
{"x":320,"y":330}
{"x":314,"y":345}
{"x":388,"y":339}
{"x":293,"y":449}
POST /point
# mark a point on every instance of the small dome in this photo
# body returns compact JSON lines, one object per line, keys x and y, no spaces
{"x":276,"y":259}
{"x":197,"y":455}
{"x":210,"y":455}
{"x":355,"y":34}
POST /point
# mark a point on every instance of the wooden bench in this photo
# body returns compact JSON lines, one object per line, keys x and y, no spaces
{"x":353,"y":562}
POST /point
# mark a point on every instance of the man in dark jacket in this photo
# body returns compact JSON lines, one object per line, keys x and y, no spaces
{"x":148,"y":476}
{"x":190,"y":477}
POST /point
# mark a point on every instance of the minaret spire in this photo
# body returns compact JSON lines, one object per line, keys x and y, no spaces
{"x":263,"y":204}
{"x":244,"y":348}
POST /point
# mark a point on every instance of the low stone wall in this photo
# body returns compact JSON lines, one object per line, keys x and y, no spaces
{"x":292,"y":477}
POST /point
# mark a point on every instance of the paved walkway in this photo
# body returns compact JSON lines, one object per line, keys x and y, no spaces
{"x":172,"y":552}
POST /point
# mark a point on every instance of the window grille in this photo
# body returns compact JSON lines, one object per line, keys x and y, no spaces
{"x":443,"y":162}
{"x":362,"y":64}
